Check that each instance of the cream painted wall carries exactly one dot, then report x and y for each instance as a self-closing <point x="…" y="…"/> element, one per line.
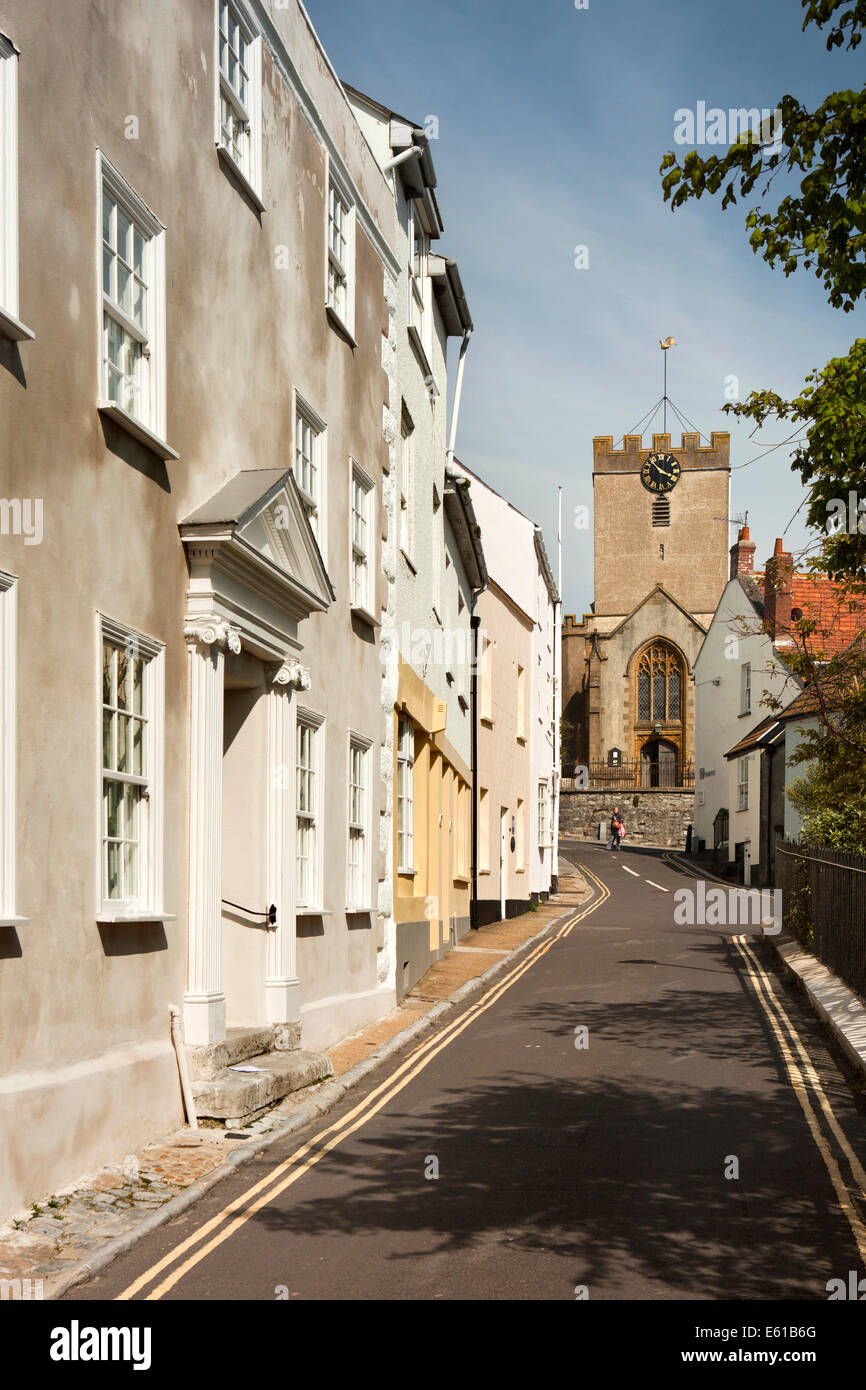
<point x="504" y="760"/>
<point x="87" y="1067"/>
<point x="508" y="538"/>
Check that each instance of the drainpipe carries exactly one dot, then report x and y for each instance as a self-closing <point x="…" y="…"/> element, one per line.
<point x="458" y="391"/>
<point x="401" y="158"/>
<point x="185" y="1087"/>
<point x="475" y="622"/>
<point x="557" y="701"/>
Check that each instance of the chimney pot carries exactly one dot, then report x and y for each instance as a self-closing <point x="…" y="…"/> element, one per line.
<point x="742" y="554"/>
<point x="777" y="591"/>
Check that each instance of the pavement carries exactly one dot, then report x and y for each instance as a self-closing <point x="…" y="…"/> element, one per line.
<point x="627" y="1108"/>
<point x="67" y="1235"/>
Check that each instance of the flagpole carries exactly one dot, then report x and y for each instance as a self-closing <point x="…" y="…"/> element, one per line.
<point x="557" y="695"/>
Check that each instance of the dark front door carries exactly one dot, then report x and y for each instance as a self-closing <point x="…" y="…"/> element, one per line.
<point x="658" y="764"/>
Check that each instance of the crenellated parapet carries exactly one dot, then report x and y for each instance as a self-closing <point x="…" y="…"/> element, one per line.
<point x="690" y="452"/>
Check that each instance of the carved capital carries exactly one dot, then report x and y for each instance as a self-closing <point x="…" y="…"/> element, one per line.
<point x="290" y="673"/>
<point x="210" y="631"/>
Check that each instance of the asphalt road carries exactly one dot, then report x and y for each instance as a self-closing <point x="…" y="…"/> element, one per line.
<point x="505" y="1162"/>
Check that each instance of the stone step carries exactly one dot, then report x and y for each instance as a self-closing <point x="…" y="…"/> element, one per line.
<point x="236" y="1095"/>
<point x="239" y="1045"/>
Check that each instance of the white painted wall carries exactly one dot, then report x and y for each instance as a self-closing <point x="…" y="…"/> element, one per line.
<point x="508" y="538"/>
<point x="734" y="637"/>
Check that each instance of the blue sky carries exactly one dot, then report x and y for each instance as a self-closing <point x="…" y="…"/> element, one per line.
<point x="552" y="124"/>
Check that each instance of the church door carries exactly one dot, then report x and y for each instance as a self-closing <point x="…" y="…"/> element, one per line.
<point x="658" y="764"/>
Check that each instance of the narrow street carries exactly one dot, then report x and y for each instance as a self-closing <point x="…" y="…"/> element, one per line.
<point x="499" y="1159"/>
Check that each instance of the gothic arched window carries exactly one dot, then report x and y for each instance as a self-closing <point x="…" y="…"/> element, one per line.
<point x="659" y="685"/>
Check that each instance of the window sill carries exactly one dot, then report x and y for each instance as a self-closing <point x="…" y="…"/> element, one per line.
<point x="338" y="323"/>
<point x="486" y="720"/>
<point x="14" y="921"/>
<point x="409" y="561"/>
<point x="13" y="328"/>
<point x="138" y="431"/>
<point x="313" y="912"/>
<point x="483" y="873"/>
<point x="521" y="739"/>
<point x="407" y="873"/>
<point x="462" y="880"/>
<point x="361" y="911"/>
<point x="365" y="616"/>
<point x="421" y="350"/>
<point x="237" y="173"/>
<point x="744" y="714"/>
<point x="109" y="916"/>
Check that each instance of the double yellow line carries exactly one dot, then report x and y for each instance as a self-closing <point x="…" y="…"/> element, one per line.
<point x="847" y="1195"/>
<point x="803" y="1077"/>
<point x="219" y="1228"/>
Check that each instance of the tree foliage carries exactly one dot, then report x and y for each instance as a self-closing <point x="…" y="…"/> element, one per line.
<point x="810" y="181"/>
<point x="822" y="226"/>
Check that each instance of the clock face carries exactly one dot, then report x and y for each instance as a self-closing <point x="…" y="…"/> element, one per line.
<point x="660" y="473"/>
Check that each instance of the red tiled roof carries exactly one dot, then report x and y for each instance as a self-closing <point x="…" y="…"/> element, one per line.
<point x="840" y="617"/>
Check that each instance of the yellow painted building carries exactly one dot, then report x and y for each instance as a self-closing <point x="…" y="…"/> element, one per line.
<point x="432" y="831"/>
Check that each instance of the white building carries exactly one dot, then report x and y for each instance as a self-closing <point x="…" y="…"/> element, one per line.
<point x="738" y="663"/>
<point x="741" y="674"/>
<point x="517" y="785"/>
<point x="434" y="559"/>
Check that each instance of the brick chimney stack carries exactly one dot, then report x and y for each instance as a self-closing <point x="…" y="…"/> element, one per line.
<point x="742" y="554"/>
<point x="777" y="592"/>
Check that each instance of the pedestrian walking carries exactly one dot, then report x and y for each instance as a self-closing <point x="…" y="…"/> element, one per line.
<point x="617" y="829"/>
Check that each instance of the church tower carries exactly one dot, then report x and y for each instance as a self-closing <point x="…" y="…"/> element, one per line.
<point x="661" y="562"/>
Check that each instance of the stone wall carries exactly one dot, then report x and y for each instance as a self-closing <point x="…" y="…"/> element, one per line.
<point x="658" y="818"/>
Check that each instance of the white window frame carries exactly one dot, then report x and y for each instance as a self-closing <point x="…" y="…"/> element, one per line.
<point x="405" y="795"/>
<point x="520" y="837"/>
<point x="8" y="750"/>
<point x="485" y="712"/>
<point x="10" y="324"/>
<point x="315" y="502"/>
<point x="362" y="602"/>
<point x="407" y="499"/>
<point x="343" y="267"/>
<point x="147" y="905"/>
<point x="249" y="112"/>
<point x="419" y="287"/>
<point x="147" y="423"/>
<point x="312" y="902"/>
<point x="521" y="703"/>
<point x="743" y="783"/>
<point x="483" y="830"/>
<point x="746" y="688"/>
<point x="543" y="826"/>
<point x="359" y="895"/>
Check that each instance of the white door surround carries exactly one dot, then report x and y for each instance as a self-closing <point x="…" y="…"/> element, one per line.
<point x="503" y="860"/>
<point x="255" y="573"/>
